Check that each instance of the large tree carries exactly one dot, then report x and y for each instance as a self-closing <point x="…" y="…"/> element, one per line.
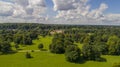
<point x="114" y="45"/>
<point x="90" y="52"/>
<point x="57" y="48"/>
<point x="102" y="47"/>
<point x="5" y="47"/>
<point x="72" y="53"/>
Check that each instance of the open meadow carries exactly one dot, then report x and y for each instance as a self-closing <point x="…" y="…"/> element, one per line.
<point x="47" y="59"/>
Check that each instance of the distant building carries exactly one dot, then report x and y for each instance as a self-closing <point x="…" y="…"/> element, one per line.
<point x="56" y="31"/>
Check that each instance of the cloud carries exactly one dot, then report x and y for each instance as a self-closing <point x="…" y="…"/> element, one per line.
<point x="37" y="3"/>
<point x="31" y="3"/>
<point x="67" y="12"/>
<point x="18" y="11"/>
<point x="23" y="3"/>
<point x="23" y="9"/>
<point x="67" y="4"/>
<point x="63" y="4"/>
<point x="6" y="9"/>
<point x="98" y="13"/>
<point x="79" y="11"/>
<point x="110" y="18"/>
<point x="31" y="7"/>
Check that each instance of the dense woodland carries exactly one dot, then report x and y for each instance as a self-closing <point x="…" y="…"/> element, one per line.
<point x="97" y="40"/>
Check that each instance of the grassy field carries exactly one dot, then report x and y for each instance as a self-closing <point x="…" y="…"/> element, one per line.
<point x="46" y="59"/>
<point x="44" y="40"/>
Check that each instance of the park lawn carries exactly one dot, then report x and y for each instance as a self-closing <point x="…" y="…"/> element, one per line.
<point x="44" y="40"/>
<point x="47" y="59"/>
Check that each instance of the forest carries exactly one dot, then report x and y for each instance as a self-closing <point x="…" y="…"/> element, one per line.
<point x="78" y="43"/>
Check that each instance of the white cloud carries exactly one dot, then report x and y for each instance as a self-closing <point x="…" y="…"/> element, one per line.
<point x="68" y="11"/>
<point x="18" y="11"/>
<point x="37" y="3"/>
<point x="31" y="7"/>
<point x="63" y="4"/>
<point x="23" y="3"/>
<point x="68" y="4"/>
<point x="98" y="13"/>
<point x="79" y="11"/>
<point x="79" y="8"/>
<point x="6" y="9"/>
<point x="110" y="18"/>
<point x="23" y="9"/>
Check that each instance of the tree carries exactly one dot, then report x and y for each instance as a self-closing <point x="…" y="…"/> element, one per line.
<point x="57" y="48"/>
<point x="68" y="42"/>
<point x="102" y="47"/>
<point x="114" y="45"/>
<point x="26" y="40"/>
<point x="16" y="46"/>
<point x="57" y="45"/>
<point x="89" y="39"/>
<point x="72" y="53"/>
<point x="23" y="38"/>
<point x="5" y="47"/>
<point x="112" y="40"/>
<point x="17" y="38"/>
<point x="104" y="38"/>
<point x="40" y="46"/>
<point x="118" y="48"/>
<point x="114" y="49"/>
<point x="28" y="55"/>
<point x="90" y="52"/>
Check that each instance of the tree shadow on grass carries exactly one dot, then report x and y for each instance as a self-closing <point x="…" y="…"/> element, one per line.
<point x="101" y="59"/>
<point x="83" y="60"/>
<point x="43" y="49"/>
<point x="8" y="53"/>
<point x="30" y="57"/>
<point x="19" y="49"/>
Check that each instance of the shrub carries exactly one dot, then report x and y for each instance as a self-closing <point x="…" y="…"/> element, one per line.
<point x="40" y="46"/>
<point x="28" y="55"/>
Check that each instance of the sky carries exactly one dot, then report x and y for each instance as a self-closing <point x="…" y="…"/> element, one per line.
<point x="93" y="12"/>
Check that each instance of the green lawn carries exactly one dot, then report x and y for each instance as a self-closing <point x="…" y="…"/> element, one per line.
<point x="44" y="40"/>
<point x="46" y="59"/>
